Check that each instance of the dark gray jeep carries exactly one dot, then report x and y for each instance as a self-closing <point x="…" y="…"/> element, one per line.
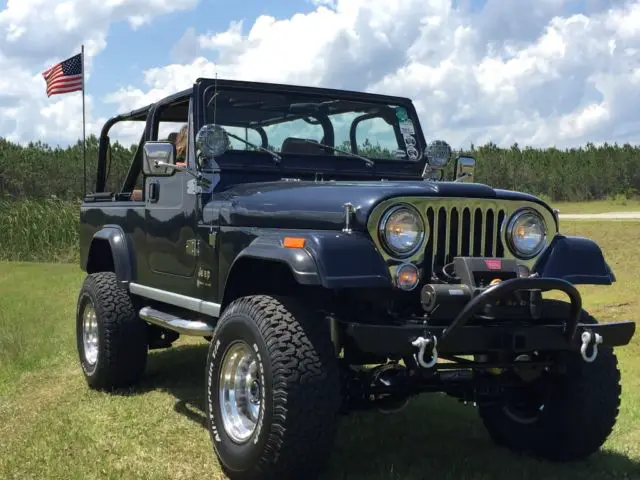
<point x="314" y="238"/>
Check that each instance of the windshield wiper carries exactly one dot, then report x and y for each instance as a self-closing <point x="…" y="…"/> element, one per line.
<point x="368" y="161"/>
<point x="275" y="156"/>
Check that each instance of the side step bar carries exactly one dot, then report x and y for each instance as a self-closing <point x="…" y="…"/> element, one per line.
<point x="177" y="324"/>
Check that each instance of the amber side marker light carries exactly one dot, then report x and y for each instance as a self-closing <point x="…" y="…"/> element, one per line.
<point x="293" y="242"/>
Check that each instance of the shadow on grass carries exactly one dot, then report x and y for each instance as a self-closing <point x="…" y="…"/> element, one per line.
<point x="434" y="437"/>
<point x="179" y="371"/>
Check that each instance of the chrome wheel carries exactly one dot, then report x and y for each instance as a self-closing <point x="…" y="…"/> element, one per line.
<point x="90" y="334"/>
<point x="240" y="392"/>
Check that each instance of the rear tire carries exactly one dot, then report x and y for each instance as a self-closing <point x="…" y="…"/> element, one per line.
<point x="580" y="408"/>
<point x="292" y="395"/>
<point x="110" y="336"/>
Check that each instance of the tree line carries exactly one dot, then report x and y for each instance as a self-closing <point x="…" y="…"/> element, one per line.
<point x="38" y="171"/>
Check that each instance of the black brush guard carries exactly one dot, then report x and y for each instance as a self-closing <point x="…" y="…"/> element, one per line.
<point x="457" y="338"/>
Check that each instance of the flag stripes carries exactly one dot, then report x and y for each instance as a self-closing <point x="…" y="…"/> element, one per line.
<point x="64" y="77"/>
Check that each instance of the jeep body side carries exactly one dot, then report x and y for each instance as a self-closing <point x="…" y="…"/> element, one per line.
<point x="304" y="253"/>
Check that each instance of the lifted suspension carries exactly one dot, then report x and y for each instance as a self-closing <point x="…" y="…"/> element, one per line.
<point x="389" y="386"/>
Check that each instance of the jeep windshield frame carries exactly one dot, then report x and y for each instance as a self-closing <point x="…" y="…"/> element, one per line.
<point x="283" y="118"/>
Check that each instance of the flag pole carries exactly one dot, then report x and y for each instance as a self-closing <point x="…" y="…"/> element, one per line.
<point x="84" y="136"/>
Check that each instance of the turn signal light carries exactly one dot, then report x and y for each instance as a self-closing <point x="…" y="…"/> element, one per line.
<point x="407" y="276"/>
<point x="293" y="242"/>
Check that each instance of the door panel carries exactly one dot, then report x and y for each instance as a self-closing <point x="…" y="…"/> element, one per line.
<point x="170" y="225"/>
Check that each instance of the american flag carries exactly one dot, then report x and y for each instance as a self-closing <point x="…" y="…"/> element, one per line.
<point x="65" y="77"/>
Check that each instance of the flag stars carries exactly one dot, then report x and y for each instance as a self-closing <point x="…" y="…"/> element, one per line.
<point x="72" y="66"/>
<point x="66" y="76"/>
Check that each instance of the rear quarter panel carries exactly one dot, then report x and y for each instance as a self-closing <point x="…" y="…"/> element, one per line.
<point x="129" y="216"/>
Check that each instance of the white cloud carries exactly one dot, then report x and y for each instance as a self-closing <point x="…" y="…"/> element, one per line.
<point x="34" y="34"/>
<point x="544" y="78"/>
<point x="187" y="48"/>
<point x="162" y="82"/>
<point x="538" y="92"/>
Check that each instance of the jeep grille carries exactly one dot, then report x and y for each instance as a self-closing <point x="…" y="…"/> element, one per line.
<point x="458" y="227"/>
<point x="463" y="231"/>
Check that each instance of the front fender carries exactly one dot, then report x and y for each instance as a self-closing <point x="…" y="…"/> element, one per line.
<point x="331" y="259"/>
<point x="577" y="260"/>
<point x="116" y="239"/>
<point x="270" y="248"/>
<point x="348" y="260"/>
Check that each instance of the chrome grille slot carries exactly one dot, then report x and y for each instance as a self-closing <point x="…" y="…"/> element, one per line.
<point x="463" y="231"/>
<point x="476" y="232"/>
<point x="499" y="221"/>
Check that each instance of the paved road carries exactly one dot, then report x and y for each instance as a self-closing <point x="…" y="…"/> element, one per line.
<point x="601" y="216"/>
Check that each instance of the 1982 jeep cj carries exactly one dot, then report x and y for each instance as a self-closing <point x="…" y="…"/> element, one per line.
<point x="312" y="237"/>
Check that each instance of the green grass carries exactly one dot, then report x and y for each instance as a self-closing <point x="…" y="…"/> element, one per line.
<point x="55" y="427"/>
<point x="36" y="304"/>
<point x="38" y="230"/>
<point x="599" y="206"/>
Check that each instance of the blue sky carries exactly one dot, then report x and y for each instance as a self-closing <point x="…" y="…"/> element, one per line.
<point x="132" y="51"/>
<point x="536" y="72"/>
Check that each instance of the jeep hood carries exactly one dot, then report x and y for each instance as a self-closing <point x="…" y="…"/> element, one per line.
<point x="320" y="205"/>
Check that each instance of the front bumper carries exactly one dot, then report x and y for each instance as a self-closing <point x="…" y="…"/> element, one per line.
<point x="458" y="338"/>
<point x="469" y="340"/>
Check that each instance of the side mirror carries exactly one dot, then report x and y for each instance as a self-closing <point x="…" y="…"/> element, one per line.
<point x="159" y="158"/>
<point x="465" y="167"/>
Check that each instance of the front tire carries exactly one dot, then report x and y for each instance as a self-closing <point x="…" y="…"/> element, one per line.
<point x="573" y="416"/>
<point x="110" y="336"/>
<point x="272" y="390"/>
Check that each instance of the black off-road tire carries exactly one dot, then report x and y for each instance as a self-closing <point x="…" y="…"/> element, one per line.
<point x="578" y="416"/>
<point x="298" y="416"/>
<point x="122" y="334"/>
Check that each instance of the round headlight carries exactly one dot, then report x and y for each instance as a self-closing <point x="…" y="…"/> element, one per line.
<point x="402" y="230"/>
<point x="526" y="233"/>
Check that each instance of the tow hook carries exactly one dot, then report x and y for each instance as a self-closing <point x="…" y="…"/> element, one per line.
<point x="590" y="338"/>
<point x="422" y="343"/>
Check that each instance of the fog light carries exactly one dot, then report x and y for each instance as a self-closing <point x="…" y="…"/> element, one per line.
<point x="407" y="276"/>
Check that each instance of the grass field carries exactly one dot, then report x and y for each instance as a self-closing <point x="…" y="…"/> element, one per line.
<point x="599" y="206"/>
<point x="54" y="427"/>
<point x="39" y="230"/>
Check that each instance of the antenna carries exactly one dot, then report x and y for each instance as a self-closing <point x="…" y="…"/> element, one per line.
<point x="215" y="95"/>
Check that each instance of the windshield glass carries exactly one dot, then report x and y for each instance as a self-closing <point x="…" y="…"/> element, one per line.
<point x="299" y="124"/>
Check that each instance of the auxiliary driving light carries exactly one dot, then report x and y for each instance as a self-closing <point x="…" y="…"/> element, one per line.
<point x="407" y="276"/>
<point x="212" y="140"/>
